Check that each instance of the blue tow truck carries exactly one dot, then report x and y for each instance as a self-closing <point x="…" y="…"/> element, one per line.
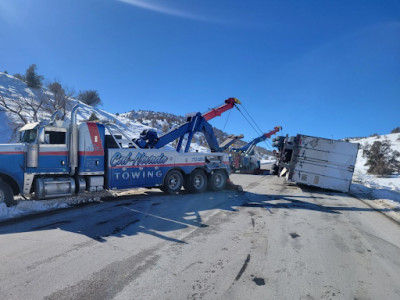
<point x="55" y="159"/>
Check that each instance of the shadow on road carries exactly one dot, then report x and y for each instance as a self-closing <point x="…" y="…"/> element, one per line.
<point x="159" y="215"/>
<point x="292" y="202"/>
<point x="152" y="213"/>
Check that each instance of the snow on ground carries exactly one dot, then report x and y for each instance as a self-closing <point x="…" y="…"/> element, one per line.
<point x="380" y="192"/>
<point x="27" y="207"/>
<point x="268" y="160"/>
<point x="383" y="191"/>
<point x="12" y="90"/>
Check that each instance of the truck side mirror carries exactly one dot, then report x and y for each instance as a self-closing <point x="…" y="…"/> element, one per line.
<point x="41" y="138"/>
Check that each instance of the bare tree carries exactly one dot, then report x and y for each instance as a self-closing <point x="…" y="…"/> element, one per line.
<point x="25" y="109"/>
<point x="17" y="110"/>
<point x="29" y="106"/>
<point x="33" y="105"/>
<point x="60" y="100"/>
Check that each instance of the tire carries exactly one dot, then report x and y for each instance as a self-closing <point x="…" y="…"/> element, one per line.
<point x="6" y="194"/>
<point x="217" y="180"/>
<point x="197" y="181"/>
<point x="274" y="170"/>
<point x="173" y="182"/>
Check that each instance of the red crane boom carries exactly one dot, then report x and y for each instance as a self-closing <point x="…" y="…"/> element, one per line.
<point x="215" y="112"/>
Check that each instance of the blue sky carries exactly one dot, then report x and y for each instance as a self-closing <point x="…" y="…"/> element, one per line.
<point x="323" y="68"/>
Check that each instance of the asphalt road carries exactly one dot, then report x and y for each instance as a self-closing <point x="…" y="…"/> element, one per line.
<point x="274" y="241"/>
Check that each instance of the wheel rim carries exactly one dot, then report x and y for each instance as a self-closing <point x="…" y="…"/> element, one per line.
<point x="218" y="180"/>
<point x="198" y="181"/>
<point x="174" y="181"/>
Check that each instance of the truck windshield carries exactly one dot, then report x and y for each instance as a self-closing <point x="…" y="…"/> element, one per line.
<point x="29" y="136"/>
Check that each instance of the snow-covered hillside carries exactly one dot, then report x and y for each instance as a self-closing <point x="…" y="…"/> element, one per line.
<point x="384" y="188"/>
<point x="15" y="91"/>
<point x="165" y="121"/>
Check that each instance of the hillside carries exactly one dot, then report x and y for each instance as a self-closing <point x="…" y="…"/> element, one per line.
<point x="163" y="122"/>
<point x="17" y="96"/>
<point x="383" y="191"/>
<point x="391" y="183"/>
<point x="15" y="93"/>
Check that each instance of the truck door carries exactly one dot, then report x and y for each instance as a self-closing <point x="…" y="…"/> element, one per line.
<point x="53" y="150"/>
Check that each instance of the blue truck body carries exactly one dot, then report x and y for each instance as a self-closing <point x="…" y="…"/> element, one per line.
<point x="57" y="159"/>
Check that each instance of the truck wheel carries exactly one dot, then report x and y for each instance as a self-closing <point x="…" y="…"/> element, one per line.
<point x="217" y="180"/>
<point x="197" y="181"/>
<point x="172" y="182"/>
<point x="6" y="194"/>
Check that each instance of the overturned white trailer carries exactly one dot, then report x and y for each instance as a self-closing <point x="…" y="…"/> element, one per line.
<point x="315" y="161"/>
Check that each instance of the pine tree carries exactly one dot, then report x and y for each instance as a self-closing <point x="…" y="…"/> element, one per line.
<point x="33" y="79"/>
<point x="93" y="117"/>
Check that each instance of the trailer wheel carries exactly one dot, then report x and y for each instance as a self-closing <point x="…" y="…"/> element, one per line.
<point x="197" y="181"/>
<point x="217" y="180"/>
<point x="274" y="170"/>
<point x="6" y="194"/>
<point x="172" y="182"/>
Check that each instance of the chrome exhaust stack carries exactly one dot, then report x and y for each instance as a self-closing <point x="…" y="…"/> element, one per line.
<point x="54" y="115"/>
<point x="73" y="141"/>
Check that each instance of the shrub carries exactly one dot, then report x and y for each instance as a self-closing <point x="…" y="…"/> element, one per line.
<point x="165" y="127"/>
<point x="396" y="130"/>
<point x="90" y="97"/>
<point x="19" y="76"/>
<point x="153" y="123"/>
<point x="381" y="159"/>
